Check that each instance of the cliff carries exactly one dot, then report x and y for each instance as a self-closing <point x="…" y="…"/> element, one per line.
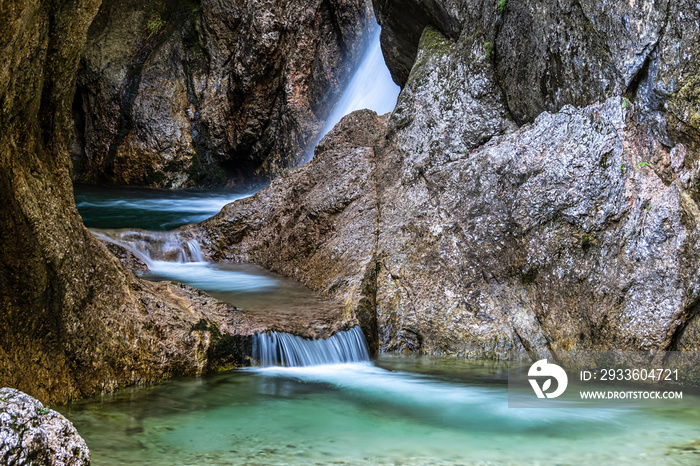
<point x="534" y="190"/>
<point x="185" y="93"/>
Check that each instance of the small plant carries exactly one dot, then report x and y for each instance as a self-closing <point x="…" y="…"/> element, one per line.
<point x="649" y="207"/>
<point x="625" y="102"/>
<point x="154" y="25"/>
<point x="488" y="48"/>
<point x="642" y="164"/>
<point x="622" y="168"/>
<point x="502" y="5"/>
<point x="43" y="411"/>
<point x="585" y="241"/>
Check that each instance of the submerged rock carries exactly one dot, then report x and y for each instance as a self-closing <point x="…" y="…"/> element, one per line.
<point x="33" y="434"/>
<point x="188" y="92"/>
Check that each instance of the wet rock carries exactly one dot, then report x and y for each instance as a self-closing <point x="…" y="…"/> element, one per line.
<point x="316" y="223"/>
<point x="74" y="322"/>
<point x="33" y="434"/>
<point x="177" y="93"/>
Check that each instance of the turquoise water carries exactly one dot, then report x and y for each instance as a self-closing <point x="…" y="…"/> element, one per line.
<point x="401" y="410"/>
<point x="112" y="207"/>
<point x="396" y="410"/>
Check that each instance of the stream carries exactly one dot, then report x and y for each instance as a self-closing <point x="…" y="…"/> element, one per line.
<point x="393" y="409"/>
<point x="334" y="404"/>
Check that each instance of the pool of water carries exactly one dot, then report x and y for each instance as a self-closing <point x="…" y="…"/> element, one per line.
<point x="397" y="410"/>
<point x="394" y="410"/>
<point x="112" y="207"/>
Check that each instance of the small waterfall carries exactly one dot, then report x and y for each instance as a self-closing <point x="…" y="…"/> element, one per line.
<point x="153" y="247"/>
<point x="170" y="256"/>
<point x="370" y="87"/>
<point x="284" y="349"/>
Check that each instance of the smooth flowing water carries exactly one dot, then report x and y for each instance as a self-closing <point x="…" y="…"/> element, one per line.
<point x="335" y="405"/>
<point x="369" y="87"/>
<point x="399" y="410"/>
<point x="150" y="209"/>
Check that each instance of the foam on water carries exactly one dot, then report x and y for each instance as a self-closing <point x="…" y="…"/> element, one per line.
<point x="170" y="256"/>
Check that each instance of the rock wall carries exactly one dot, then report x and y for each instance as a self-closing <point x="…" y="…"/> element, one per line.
<point x="316" y="223"/>
<point x="175" y="93"/>
<point x="534" y="190"/>
<point x="73" y="322"/>
<point x="33" y="434"/>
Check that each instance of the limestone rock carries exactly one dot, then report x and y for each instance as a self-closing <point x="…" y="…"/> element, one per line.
<point x="33" y="434"/>
<point x="316" y="223"/>
<point x="182" y="93"/>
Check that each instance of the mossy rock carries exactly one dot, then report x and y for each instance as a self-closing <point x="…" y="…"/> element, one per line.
<point x="684" y="113"/>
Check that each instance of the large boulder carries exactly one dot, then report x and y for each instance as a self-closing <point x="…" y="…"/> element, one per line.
<point x="33" y="434"/>
<point x="576" y="231"/>
<point x="73" y="321"/>
<point x="316" y="223"/>
<point x="187" y="92"/>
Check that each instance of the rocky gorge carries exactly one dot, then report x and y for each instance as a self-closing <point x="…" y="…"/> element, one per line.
<point x="528" y="194"/>
<point x="535" y="189"/>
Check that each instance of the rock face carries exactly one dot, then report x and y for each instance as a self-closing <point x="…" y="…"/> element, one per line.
<point x="552" y="53"/>
<point x="186" y="92"/>
<point x="33" y="434"/>
<point x="73" y="322"/>
<point x="315" y="223"/>
<point x="577" y="230"/>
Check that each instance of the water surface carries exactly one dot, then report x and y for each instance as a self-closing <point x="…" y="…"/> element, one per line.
<point x="113" y="207"/>
<point x="401" y="410"/>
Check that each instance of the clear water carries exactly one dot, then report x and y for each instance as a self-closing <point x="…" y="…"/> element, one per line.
<point x="150" y="209"/>
<point x="401" y="410"/>
<point x="395" y="410"/>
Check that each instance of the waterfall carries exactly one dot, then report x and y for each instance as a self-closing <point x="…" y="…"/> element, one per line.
<point x="284" y="349"/>
<point x="369" y="87"/>
<point x="170" y="256"/>
<point x="153" y="247"/>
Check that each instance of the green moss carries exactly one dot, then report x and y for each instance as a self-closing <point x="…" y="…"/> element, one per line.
<point x="488" y="48"/>
<point x="432" y="44"/>
<point x="501" y="5"/>
<point x="585" y="241"/>
<point x="684" y="113"/>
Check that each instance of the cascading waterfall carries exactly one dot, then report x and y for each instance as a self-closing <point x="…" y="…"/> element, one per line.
<point x="154" y="247"/>
<point x="170" y="256"/>
<point x="284" y="349"/>
<point x="370" y="87"/>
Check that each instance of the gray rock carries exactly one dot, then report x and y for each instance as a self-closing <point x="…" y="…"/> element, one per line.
<point x="316" y="223"/>
<point x="550" y="238"/>
<point x="33" y="434"/>
<point x="191" y="93"/>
